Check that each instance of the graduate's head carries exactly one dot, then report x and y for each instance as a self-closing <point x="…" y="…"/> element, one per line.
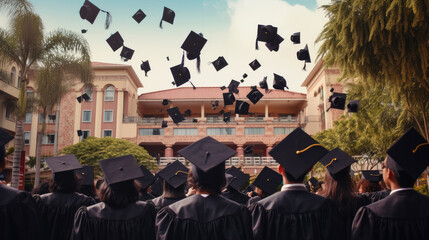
<point x="235" y="178"/>
<point x="118" y="195"/>
<point x="174" y="177"/>
<point x="396" y="177"/>
<point x="42" y="188"/>
<point x="173" y="192"/>
<point x="370" y="181"/>
<point x="64" y="182"/>
<point x="143" y="183"/>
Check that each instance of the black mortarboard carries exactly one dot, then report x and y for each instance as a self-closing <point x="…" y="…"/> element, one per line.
<point x="79" y="133"/>
<point x="268" y="180"/>
<point x="227" y="117"/>
<point x="168" y="16"/>
<point x="175" y="115"/>
<point x="372" y="175"/>
<point x="222" y="88"/>
<point x="84" y="30"/>
<point x="298" y="152"/>
<point x="146" y="179"/>
<point x="139" y="16"/>
<point x="279" y="82"/>
<point x="174" y="174"/>
<point x="220" y="63"/>
<point x="313" y="181"/>
<point x="248" y="149"/>
<point x="337" y="100"/>
<point x="353" y="106"/>
<point x="165" y="102"/>
<point x="409" y="154"/>
<point x="63" y="163"/>
<point x="194" y="43"/>
<point x="194" y="120"/>
<point x="208" y="158"/>
<point x="5" y="137"/>
<point x="120" y="169"/>
<point x="241" y="107"/>
<point x="304" y="55"/>
<point x="181" y="74"/>
<point x="188" y="112"/>
<point x="164" y="124"/>
<point x="274" y="45"/>
<point x="295" y="38"/>
<point x="115" y="41"/>
<point x="266" y="33"/>
<point x="254" y="64"/>
<point x="86" y="97"/>
<point x="157" y="186"/>
<point x="79" y="99"/>
<point x="233" y="86"/>
<point x="126" y="53"/>
<point x="145" y="67"/>
<point x="263" y="84"/>
<point x="86" y="173"/>
<point x="245" y="75"/>
<point x="89" y="12"/>
<point x="336" y="160"/>
<point x="238" y="178"/>
<point x="255" y="95"/>
<point x="228" y="98"/>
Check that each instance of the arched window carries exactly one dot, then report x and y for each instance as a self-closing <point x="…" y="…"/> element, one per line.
<point x="12" y="76"/>
<point x="30" y="93"/>
<point x="88" y="90"/>
<point x="19" y="80"/>
<point x="109" y="94"/>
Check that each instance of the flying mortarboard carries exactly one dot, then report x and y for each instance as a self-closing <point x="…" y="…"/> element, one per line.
<point x="296" y="38"/>
<point x="147" y="178"/>
<point x="127" y="53"/>
<point x="255" y="95"/>
<point x="84" y="96"/>
<point x="220" y="63"/>
<point x="353" y="106"/>
<point x="313" y="181"/>
<point x="86" y="173"/>
<point x="264" y="85"/>
<point x="254" y="64"/>
<point x="84" y="30"/>
<point x="5" y="137"/>
<point x="188" y="112"/>
<point x="175" y="115"/>
<point x="268" y="180"/>
<point x="168" y="16"/>
<point x="145" y="67"/>
<point x="164" y="124"/>
<point x="139" y="16"/>
<point x="304" y="55"/>
<point x="298" y="152"/>
<point x="181" y="74"/>
<point x="372" y="175"/>
<point x="63" y="163"/>
<point x="165" y="102"/>
<point x="115" y="41"/>
<point x="238" y="178"/>
<point x="248" y="149"/>
<point x="241" y="107"/>
<point x="233" y="86"/>
<point x="222" y="88"/>
<point x="193" y="44"/>
<point x="274" y="45"/>
<point x="409" y="155"/>
<point x="227" y="117"/>
<point x="228" y="99"/>
<point x="89" y="12"/>
<point x="195" y="120"/>
<point x="279" y="82"/>
<point x="266" y="33"/>
<point x="174" y="174"/>
<point x="79" y="133"/>
<point x="337" y="100"/>
<point x="336" y="160"/>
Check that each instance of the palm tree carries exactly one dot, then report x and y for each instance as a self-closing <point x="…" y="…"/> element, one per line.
<point x="24" y="43"/>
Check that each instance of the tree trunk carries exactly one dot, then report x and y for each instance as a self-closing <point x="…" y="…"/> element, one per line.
<point x="19" y="145"/>
<point x="38" y="156"/>
<point x="57" y="123"/>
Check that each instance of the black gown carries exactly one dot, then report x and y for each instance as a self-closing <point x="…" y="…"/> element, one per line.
<point x="295" y="214"/>
<point x="347" y="216"/>
<point x="376" y="196"/>
<point x="209" y="218"/>
<point x="253" y="200"/>
<point x="145" y="196"/>
<point x="19" y="218"/>
<point x="235" y="196"/>
<point x="402" y="215"/>
<point x="58" y="210"/>
<point x="100" y="221"/>
<point x="161" y="202"/>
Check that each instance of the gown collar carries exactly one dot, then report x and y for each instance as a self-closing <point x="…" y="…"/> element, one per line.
<point x="400" y="189"/>
<point x="294" y="187"/>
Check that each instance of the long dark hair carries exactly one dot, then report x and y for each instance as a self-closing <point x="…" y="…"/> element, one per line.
<point x="118" y="195"/>
<point x="340" y="189"/>
<point x="368" y="187"/>
<point x="64" y="182"/>
<point x="171" y="192"/>
<point x="214" y="188"/>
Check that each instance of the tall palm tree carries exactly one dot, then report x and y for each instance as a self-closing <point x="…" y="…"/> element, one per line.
<point x="24" y="43"/>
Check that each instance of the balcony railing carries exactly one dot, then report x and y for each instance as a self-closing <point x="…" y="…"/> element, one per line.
<point x="234" y="161"/>
<point x="150" y="120"/>
<point x="129" y="119"/>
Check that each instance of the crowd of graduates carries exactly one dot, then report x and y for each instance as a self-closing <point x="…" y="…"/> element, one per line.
<point x="205" y="201"/>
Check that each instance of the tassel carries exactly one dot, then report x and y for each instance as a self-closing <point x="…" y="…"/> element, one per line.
<point x="256" y="45"/>
<point x="160" y="24"/>
<point x="304" y="68"/>
<point x="183" y="59"/>
<point x="145" y="73"/>
<point x="193" y="85"/>
<point x="108" y="19"/>
<point x="198" y="63"/>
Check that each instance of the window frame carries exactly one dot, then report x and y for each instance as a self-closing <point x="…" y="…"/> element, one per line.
<point x="90" y="116"/>
<point x="104" y="115"/>
<point x="29" y="138"/>
<point x="113" y="94"/>
<point x="104" y="133"/>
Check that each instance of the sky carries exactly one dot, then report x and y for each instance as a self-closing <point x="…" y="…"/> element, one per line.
<point x="229" y="26"/>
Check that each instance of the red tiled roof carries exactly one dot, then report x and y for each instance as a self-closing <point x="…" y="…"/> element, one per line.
<point x="215" y="93"/>
<point x="106" y="64"/>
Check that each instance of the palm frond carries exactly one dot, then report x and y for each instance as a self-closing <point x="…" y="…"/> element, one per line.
<point x="16" y="7"/>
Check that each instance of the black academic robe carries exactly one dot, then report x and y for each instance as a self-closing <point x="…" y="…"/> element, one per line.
<point x="376" y="196"/>
<point x="58" y="210"/>
<point x="19" y="218"/>
<point x="235" y="196"/>
<point x="209" y="218"/>
<point x="295" y="214"/>
<point x="100" y="221"/>
<point x="145" y="196"/>
<point x="253" y="200"/>
<point x="400" y="216"/>
<point x="161" y="202"/>
<point x="347" y="214"/>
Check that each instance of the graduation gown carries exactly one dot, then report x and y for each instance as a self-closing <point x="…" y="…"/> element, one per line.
<point x="19" y="218"/>
<point x="100" y="221"/>
<point x="58" y="210"/>
<point x="161" y="202"/>
<point x="402" y="215"/>
<point x="347" y="215"/>
<point x="145" y="196"/>
<point x="376" y="196"/>
<point x="209" y="218"/>
<point x="295" y="214"/>
<point x="235" y="196"/>
<point x="253" y="200"/>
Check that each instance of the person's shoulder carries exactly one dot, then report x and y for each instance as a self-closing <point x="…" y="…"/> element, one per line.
<point x="85" y="200"/>
<point x="296" y="200"/>
<point x="9" y="194"/>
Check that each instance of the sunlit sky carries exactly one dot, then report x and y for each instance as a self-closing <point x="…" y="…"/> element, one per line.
<point x="230" y="27"/>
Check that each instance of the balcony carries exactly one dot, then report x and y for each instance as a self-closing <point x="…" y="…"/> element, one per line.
<point x="234" y="161"/>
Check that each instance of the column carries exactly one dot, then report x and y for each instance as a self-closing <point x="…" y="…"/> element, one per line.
<point x="240" y="151"/>
<point x="33" y="133"/>
<point x="98" y="112"/>
<point x="269" y="148"/>
<point x="202" y="111"/>
<point x="77" y="118"/>
<point x="119" y="113"/>
<point x="168" y="152"/>
<point x="266" y="110"/>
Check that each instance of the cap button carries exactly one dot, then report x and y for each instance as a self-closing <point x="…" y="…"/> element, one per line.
<point x="121" y="169"/>
<point x="63" y="163"/>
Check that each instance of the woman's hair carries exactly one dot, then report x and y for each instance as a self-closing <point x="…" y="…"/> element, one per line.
<point x="171" y="192"/>
<point x="340" y="189"/>
<point x="64" y="182"/>
<point x="368" y="186"/>
<point x="212" y="188"/>
<point x="88" y="190"/>
<point x="42" y="188"/>
<point x="118" y="195"/>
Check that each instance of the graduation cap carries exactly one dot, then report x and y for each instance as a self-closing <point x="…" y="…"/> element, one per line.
<point x="79" y="133"/>
<point x="86" y="173"/>
<point x="279" y="82"/>
<point x="193" y="45"/>
<point x="266" y="33"/>
<point x="5" y="137"/>
<point x="372" y="175"/>
<point x="241" y="107"/>
<point x="304" y="55"/>
<point x="255" y="95"/>
<point x="228" y="98"/>
<point x="181" y="74"/>
<point x="408" y="155"/>
<point x="227" y="117"/>
<point x="89" y="12"/>
<point x="296" y="38"/>
<point x="268" y="180"/>
<point x="313" y="181"/>
<point x="168" y="16"/>
<point x="126" y="53"/>
<point x="115" y="41"/>
<point x="337" y="100"/>
<point x="336" y="160"/>
<point x="146" y="178"/>
<point x="175" y="115"/>
<point x="84" y="30"/>
<point x="274" y="45"/>
<point x="264" y="85"/>
<point x="157" y="186"/>
<point x="188" y="112"/>
<point x="233" y="86"/>
<point x="222" y="88"/>
<point x="164" y="124"/>
<point x="174" y="174"/>
<point x="208" y="158"/>
<point x="63" y="163"/>
<point x="353" y="106"/>
<point x="165" y="102"/>
<point x="120" y="169"/>
<point x="254" y="64"/>
<point x="139" y="16"/>
<point x="194" y="120"/>
<point x="220" y="63"/>
<point x="298" y="152"/>
<point x="248" y="149"/>
<point x="145" y="67"/>
<point x="84" y="96"/>
<point x="238" y="178"/>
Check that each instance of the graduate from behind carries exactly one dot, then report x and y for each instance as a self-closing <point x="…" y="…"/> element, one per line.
<point x="234" y="180"/>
